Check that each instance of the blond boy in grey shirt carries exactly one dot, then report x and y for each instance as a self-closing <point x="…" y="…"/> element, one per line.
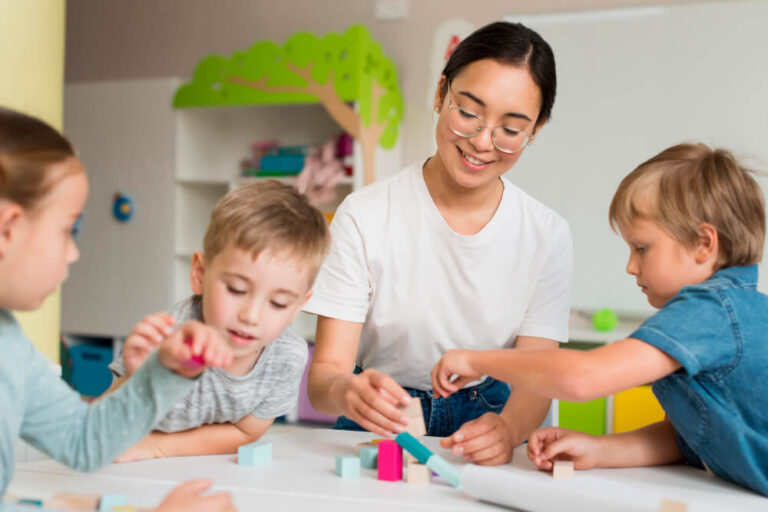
<point x="261" y="253"/>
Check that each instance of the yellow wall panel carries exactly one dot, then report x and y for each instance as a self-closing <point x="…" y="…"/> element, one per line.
<point x="32" y="71"/>
<point x="635" y="408"/>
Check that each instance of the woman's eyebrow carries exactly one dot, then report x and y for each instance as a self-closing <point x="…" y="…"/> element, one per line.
<point x="482" y="104"/>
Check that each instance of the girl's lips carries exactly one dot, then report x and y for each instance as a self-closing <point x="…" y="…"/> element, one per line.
<point x="239" y="340"/>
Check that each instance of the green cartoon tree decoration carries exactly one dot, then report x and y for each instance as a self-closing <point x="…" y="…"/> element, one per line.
<point x="335" y="70"/>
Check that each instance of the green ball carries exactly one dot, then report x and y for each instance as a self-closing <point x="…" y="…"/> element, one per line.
<point x="604" y="320"/>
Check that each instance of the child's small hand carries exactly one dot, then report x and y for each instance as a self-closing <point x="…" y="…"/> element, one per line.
<point x="143" y="450"/>
<point x="453" y="362"/>
<point x="144" y="338"/>
<point x="187" y="498"/>
<point x="547" y="445"/>
<point x="192" y="342"/>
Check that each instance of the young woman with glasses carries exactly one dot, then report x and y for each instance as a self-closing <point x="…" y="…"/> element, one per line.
<point x="445" y="254"/>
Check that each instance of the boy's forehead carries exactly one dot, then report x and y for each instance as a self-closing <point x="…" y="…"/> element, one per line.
<point x="249" y="265"/>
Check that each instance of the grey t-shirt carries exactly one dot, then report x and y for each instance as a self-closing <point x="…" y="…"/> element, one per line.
<point x="269" y="390"/>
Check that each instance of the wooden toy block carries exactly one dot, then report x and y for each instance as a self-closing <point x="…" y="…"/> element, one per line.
<point x="390" y="461"/>
<point x="254" y="454"/>
<point x="347" y="466"/>
<point x="416" y="416"/>
<point x="110" y="501"/>
<point x="562" y="469"/>
<point x="418" y="474"/>
<point x="672" y="506"/>
<point x="410" y="459"/>
<point x="368" y="456"/>
<point x="72" y="501"/>
<point x="377" y="441"/>
<point x="359" y="446"/>
<point x="124" y="508"/>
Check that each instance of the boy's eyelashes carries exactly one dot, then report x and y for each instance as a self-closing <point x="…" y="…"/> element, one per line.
<point x="279" y="305"/>
<point x="235" y="291"/>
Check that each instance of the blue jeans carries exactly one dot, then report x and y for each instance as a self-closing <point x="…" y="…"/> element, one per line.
<point x="444" y="416"/>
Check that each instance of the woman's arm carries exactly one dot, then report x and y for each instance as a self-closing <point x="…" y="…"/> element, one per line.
<point x="369" y="399"/>
<point x="565" y="374"/>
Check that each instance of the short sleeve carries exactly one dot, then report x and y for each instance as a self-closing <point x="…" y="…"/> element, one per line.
<point x="547" y="313"/>
<point x="289" y="368"/>
<point x="694" y="328"/>
<point x="343" y="286"/>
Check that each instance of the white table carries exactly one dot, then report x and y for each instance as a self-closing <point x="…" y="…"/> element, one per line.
<point x="301" y="477"/>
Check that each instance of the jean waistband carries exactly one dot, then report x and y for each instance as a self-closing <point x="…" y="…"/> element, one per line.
<point x="488" y="382"/>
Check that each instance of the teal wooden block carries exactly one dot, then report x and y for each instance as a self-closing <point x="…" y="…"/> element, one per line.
<point x="254" y="454"/>
<point x="348" y="466"/>
<point x="368" y="455"/>
<point x="108" y="501"/>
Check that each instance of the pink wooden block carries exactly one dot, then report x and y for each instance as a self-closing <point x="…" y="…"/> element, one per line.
<point x="390" y="461"/>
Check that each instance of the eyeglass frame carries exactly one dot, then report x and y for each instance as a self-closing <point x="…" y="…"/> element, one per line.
<point x="483" y="125"/>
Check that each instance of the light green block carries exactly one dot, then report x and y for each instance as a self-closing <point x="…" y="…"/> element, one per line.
<point x="254" y="454"/>
<point x="347" y="466"/>
<point x="368" y="456"/>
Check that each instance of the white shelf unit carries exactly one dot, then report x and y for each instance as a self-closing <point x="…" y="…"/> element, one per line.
<point x="175" y="165"/>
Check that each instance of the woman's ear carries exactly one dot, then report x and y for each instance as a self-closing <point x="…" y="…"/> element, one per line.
<point x="10" y="217"/>
<point x="197" y="272"/>
<point x="708" y="244"/>
<point x="439" y="94"/>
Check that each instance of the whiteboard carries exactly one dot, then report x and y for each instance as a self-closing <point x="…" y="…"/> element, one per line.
<point x="632" y="82"/>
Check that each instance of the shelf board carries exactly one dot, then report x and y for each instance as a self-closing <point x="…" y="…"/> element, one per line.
<point x="203" y="181"/>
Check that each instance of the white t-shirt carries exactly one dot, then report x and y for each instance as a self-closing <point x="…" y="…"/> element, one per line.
<point x="420" y="288"/>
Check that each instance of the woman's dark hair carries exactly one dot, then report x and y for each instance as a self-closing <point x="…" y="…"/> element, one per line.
<point x="28" y="147"/>
<point x="514" y="44"/>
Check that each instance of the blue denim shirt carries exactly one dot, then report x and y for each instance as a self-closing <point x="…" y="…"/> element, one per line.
<point x="718" y="401"/>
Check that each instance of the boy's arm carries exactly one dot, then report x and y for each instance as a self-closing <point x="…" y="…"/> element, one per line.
<point x="652" y="445"/>
<point x="205" y="440"/>
<point x="565" y="374"/>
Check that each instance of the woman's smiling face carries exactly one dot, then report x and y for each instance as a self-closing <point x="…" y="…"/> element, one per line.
<point x="501" y="94"/>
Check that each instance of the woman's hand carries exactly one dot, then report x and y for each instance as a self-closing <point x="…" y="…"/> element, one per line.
<point x="454" y="362"/>
<point x="547" y="445"/>
<point x="487" y="440"/>
<point x="372" y="400"/>
<point x="187" y="498"/>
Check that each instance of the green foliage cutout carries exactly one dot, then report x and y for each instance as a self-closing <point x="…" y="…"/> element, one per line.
<point x="334" y="70"/>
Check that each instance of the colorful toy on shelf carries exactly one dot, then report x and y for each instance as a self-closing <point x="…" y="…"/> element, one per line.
<point x="335" y="70"/>
<point x="604" y="320"/>
<point x="322" y="171"/>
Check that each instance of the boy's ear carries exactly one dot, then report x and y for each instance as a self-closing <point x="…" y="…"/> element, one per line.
<point x="10" y="215"/>
<point x="708" y="245"/>
<point x="197" y="272"/>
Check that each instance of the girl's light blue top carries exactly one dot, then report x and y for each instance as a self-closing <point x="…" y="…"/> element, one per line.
<point x="43" y="410"/>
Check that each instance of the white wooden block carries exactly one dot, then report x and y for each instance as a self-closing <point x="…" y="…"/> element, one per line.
<point x="562" y="469"/>
<point x="416" y="416"/>
<point x="672" y="506"/>
<point x="418" y="474"/>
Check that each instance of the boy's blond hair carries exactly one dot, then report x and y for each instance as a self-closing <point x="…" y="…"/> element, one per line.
<point x="269" y="215"/>
<point x="689" y="184"/>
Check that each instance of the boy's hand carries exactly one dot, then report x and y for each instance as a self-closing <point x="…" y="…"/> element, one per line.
<point x="187" y="498"/>
<point x="454" y="362"/>
<point x="192" y="342"/>
<point x="143" y="450"/>
<point x="547" y="445"/>
<point x="144" y="338"/>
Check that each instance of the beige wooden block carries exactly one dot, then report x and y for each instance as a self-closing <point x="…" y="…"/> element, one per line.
<point x="562" y="469"/>
<point x="416" y="416"/>
<point x="418" y="474"/>
<point x="410" y="459"/>
<point x="360" y="445"/>
<point x="672" y="506"/>
<point x="73" y="501"/>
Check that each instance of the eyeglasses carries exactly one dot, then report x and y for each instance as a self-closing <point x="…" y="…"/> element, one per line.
<point x="465" y="123"/>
